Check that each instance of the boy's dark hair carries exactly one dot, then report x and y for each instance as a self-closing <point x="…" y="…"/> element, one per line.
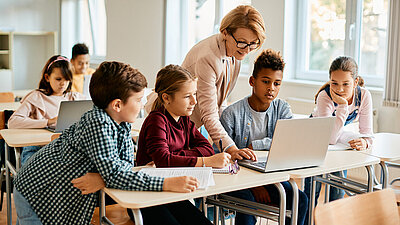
<point x="115" y="80"/>
<point x="268" y="59"/>
<point x="79" y="49"/>
<point x="56" y="61"/>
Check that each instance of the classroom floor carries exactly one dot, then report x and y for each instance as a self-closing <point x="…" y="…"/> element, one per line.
<point x="118" y="215"/>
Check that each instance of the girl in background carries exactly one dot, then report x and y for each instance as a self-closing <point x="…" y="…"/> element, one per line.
<point x="344" y="97"/>
<point x="39" y="108"/>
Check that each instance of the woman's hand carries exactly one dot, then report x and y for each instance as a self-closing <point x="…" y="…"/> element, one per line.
<point x="261" y="194"/>
<point x="219" y="160"/>
<point x="358" y="144"/>
<point x="52" y="121"/>
<point x="337" y="98"/>
<point x="89" y="183"/>
<point x="238" y="154"/>
<point x="180" y="184"/>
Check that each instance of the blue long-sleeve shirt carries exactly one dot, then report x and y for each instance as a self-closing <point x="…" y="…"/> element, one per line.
<point x="237" y="119"/>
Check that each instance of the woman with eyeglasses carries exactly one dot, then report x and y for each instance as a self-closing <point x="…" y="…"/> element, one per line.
<point x="216" y="62"/>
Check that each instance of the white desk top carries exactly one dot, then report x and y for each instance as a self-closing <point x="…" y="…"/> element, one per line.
<point x="336" y="161"/>
<point x="224" y="183"/>
<point x="9" y="106"/>
<point x="26" y="137"/>
<point x="386" y="147"/>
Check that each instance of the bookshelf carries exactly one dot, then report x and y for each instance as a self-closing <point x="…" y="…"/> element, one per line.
<point x="22" y="57"/>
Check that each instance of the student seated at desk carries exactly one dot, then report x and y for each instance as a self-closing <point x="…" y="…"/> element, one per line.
<point x="344" y="97"/>
<point x="168" y="137"/>
<point x="39" y="108"/>
<point x="80" y="61"/>
<point x="99" y="142"/>
<point x="250" y="123"/>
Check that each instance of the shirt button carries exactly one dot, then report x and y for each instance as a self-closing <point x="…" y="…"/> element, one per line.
<point x="245" y="138"/>
<point x="248" y="123"/>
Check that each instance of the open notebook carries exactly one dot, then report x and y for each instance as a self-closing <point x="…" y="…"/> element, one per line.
<point x="203" y="174"/>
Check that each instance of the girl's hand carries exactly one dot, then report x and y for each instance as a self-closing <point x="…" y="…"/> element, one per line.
<point x="338" y="99"/>
<point x="52" y="121"/>
<point x="180" y="184"/>
<point x="239" y="154"/>
<point x="358" y="144"/>
<point x="219" y="160"/>
<point x="89" y="183"/>
<point x="261" y="195"/>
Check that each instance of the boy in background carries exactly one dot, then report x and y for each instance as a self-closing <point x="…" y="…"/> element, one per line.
<point x="80" y="62"/>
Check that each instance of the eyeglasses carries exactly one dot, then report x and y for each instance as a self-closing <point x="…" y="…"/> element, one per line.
<point x="243" y="45"/>
<point x="234" y="167"/>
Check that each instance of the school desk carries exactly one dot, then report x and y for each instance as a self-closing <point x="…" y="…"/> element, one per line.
<point x="385" y="146"/>
<point x="337" y="161"/>
<point x="224" y="183"/>
<point x="19" y="138"/>
<point x="9" y="106"/>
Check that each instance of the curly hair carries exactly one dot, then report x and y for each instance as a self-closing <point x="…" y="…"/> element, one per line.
<point x="268" y="59"/>
<point x="115" y="80"/>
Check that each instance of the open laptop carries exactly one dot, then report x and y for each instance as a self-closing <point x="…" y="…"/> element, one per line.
<point x="69" y="113"/>
<point x="297" y="143"/>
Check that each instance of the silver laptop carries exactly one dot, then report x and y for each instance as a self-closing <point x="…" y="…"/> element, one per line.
<point x="69" y="113"/>
<point x="296" y="143"/>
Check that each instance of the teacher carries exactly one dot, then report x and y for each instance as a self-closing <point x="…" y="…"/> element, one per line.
<point x="216" y="62"/>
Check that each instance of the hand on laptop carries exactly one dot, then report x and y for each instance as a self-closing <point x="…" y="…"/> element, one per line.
<point x="52" y="121"/>
<point x="239" y="154"/>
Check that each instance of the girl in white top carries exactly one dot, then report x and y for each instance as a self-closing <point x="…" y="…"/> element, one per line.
<point x="39" y="108"/>
<point x="344" y="97"/>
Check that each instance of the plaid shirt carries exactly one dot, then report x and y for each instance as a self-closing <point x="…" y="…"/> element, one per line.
<point x="94" y="144"/>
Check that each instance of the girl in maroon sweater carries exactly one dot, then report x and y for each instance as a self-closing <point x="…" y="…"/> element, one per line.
<point x="168" y="136"/>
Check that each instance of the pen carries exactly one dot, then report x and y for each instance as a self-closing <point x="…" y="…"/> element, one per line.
<point x="220" y="145"/>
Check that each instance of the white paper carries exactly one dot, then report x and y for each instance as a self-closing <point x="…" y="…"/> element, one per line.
<point x="339" y="147"/>
<point x="203" y="174"/>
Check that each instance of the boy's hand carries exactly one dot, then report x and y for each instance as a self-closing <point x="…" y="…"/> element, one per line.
<point x="358" y="144"/>
<point x="89" y="183"/>
<point x="261" y="195"/>
<point x="239" y="154"/>
<point x="180" y="184"/>
<point x="338" y="99"/>
<point x="52" y="121"/>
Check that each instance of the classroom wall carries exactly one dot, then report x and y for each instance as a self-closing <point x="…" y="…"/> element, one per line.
<point x="135" y="34"/>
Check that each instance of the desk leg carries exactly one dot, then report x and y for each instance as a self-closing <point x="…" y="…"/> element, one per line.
<point x="295" y="204"/>
<point x="215" y="212"/>
<point x="311" y="202"/>
<point x="8" y="187"/>
<point x="385" y="177"/>
<point x="371" y="176"/>
<point x="102" y="209"/>
<point x="138" y="216"/>
<point x="327" y="188"/>
<point x="282" y="205"/>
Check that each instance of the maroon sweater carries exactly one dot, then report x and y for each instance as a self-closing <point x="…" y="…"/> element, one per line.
<point x="170" y="143"/>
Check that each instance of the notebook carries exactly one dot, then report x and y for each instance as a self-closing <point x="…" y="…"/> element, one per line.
<point x="69" y="113"/>
<point x="297" y="143"/>
<point x="203" y="174"/>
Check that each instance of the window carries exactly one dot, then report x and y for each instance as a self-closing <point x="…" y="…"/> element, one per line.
<point x="190" y="21"/>
<point x="84" y="21"/>
<point x="328" y="29"/>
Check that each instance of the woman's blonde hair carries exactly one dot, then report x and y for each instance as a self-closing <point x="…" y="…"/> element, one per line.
<point x="169" y="80"/>
<point x="244" y="16"/>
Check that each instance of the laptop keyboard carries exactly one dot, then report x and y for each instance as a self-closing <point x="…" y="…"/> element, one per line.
<point x="259" y="164"/>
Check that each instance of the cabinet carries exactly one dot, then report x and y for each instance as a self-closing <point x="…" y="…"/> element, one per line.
<point x="22" y="57"/>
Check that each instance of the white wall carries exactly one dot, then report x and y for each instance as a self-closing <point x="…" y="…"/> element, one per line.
<point x="135" y="34"/>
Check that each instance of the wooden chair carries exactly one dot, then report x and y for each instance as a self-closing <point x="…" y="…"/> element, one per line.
<point x="376" y="208"/>
<point x="6" y="97"/>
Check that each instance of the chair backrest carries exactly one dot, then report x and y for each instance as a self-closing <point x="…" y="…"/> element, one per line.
<point x="376" y="208"/>
<point x="6" y="97"/>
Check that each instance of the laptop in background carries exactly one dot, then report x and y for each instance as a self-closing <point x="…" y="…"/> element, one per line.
<point x="296" y="143"/>
<point x="69" y="113"/>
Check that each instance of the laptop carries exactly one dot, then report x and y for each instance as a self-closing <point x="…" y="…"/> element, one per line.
<point x="297" y="143"/>
<point x="69" y="113"/>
